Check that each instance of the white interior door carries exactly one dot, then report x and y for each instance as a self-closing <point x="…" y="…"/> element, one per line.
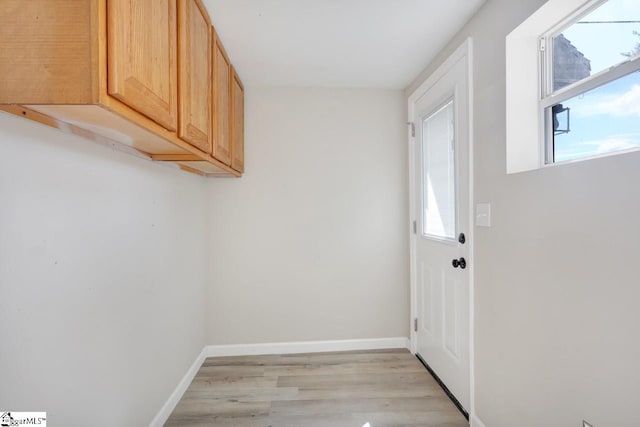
<point x="441" y="203"/>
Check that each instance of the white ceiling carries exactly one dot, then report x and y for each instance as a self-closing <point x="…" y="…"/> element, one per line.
<point x="336" y="43"/>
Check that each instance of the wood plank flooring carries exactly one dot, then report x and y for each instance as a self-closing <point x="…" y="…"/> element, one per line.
<point x="385" y="388"/>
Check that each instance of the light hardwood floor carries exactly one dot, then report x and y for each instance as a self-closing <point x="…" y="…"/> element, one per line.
<point x="344" y="389"/>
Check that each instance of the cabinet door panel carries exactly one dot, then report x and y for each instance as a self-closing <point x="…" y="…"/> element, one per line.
<point x="194" y="50"/>
<point x="221" y="104"/>
<point x="237" y="123"/>
<point x="142" y="57"/>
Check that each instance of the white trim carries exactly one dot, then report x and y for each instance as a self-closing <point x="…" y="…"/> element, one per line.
<point x="475" y="421"/>
<point x="464" y="50"/>
<point x="306" y="347"/>
<point x="471" y="234"/>
<point x="413" y="308"/>
<point x="594" y="81"/>
<point x="595" y="156"/>
<point x="163" y="415"/>
<point x="269" y="348"/>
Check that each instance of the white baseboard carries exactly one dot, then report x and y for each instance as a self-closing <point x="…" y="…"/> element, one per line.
<point x="306" y="347"/>
<point x="163" y="415"/>
<point x="270" y="348"/>
<point x="475" y="421"/>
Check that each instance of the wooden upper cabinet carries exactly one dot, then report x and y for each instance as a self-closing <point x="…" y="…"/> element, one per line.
<point x="237" y="122"/>
<point x="142" y="57"/>
<point x="221" y="102"/>
<point x="194" y="74"/>
<point x="147" y="76"/>
<point x="45" y="52"/>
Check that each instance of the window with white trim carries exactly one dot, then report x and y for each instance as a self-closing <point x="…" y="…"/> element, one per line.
<point x="590" y="82"/>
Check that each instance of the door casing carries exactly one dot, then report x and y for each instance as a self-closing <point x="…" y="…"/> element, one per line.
<point x="464" y="50"/>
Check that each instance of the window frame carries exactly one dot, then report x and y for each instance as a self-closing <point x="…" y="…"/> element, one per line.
<point x="449" y="100"/>
<point x="548" y="97"/>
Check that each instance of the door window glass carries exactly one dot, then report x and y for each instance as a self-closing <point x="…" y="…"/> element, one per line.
<point x="438" y="172"/>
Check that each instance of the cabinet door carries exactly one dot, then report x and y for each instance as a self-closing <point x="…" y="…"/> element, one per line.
<point x="221" y="104"/>
<point x="237" y="123"/>
<point x="142" y="57"/>
<point x="194" y="74"/>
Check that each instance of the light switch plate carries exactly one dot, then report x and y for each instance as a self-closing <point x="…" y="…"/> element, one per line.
<point x="483" y="215"/>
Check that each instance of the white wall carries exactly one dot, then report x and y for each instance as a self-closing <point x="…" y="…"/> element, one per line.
<point x="102" y="278"/>
<point x="311" y="244"/>
<point x="557" y="284"/>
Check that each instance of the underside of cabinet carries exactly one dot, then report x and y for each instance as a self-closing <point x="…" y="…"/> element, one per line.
<point x="95" y="123"/>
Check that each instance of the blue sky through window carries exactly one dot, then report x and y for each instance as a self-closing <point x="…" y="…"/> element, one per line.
<point x="601" y="38"/>
<point x="605" y="119"/>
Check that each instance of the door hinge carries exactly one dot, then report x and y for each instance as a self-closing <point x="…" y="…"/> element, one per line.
<point x="415" y="228"/>
<point x="543" y="44"/>
<point x="415" y="324"/>
<point x="413" y="128"/>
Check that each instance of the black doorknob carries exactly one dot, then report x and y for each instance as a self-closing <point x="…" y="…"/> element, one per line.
<point x="462" y="263"/>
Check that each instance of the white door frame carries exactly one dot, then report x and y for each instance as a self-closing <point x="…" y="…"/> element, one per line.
<point x="464" y="50"/>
